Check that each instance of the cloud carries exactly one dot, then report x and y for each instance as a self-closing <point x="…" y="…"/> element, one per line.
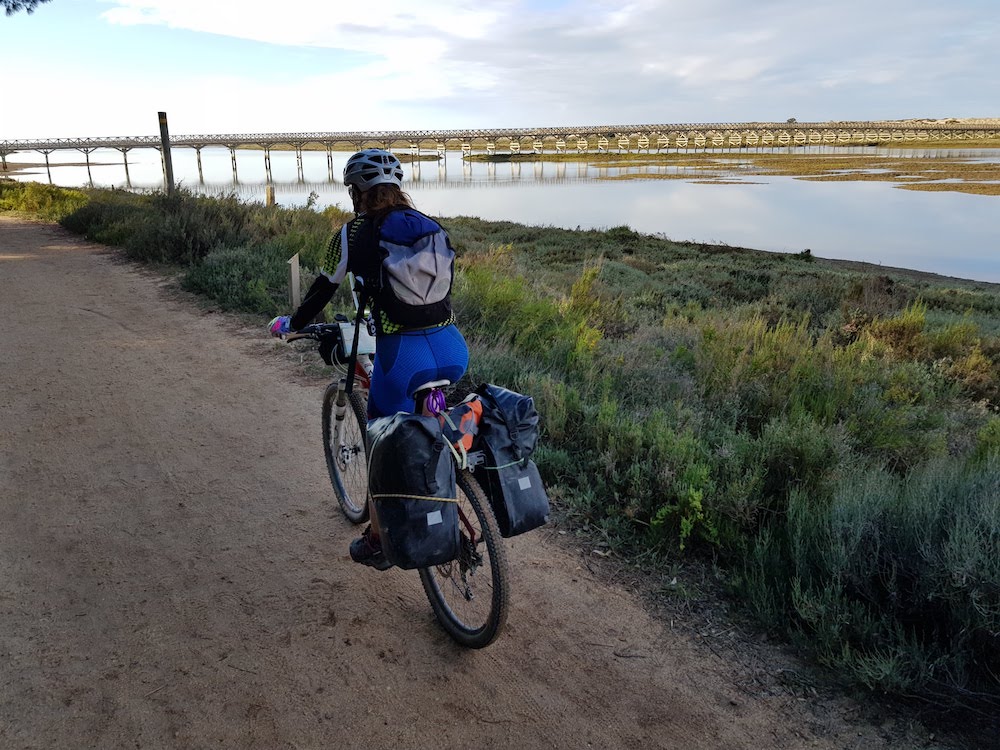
<point x="352" y="26"/>
<point x="512" y="63"/>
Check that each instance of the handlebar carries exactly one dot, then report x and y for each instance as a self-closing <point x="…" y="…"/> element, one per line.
<point x="315" y="331"/>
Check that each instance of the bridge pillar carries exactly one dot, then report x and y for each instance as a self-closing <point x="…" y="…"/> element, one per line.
<point x="201" y="176"/>
<point x="232" y="156"/>
<point x="86" y="154"/>
<point x="47" y="169"/>
<point x="298" y="163"/>
<point x="125" y="150"/>
<point x="3" y="160"/>
<point x="329" y="161"/>
<point x="267" y="162"/>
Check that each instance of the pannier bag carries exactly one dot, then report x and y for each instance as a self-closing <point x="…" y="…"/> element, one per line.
<point x="508" y="434"/>
<point x="412" y="481"/>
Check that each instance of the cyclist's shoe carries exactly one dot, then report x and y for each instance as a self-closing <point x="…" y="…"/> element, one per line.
<point x="367" y="550"/>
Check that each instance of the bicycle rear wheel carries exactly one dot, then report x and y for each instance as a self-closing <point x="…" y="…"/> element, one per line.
<point x="469" y="595"/>
<point x="346" y="451"/>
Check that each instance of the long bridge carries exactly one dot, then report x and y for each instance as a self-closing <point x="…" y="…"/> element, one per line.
<point x="581" y="139"/>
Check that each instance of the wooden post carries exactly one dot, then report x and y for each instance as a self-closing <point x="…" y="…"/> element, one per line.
<point x="168" y="163"/>
<point x="294" y="290"/>
<point x="269" y="197"/>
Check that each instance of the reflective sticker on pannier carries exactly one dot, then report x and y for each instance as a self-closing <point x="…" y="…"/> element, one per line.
<point x="524" y="483"/>
<point x="434" y="518"/>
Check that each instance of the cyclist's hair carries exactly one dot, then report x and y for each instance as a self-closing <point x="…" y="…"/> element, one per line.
<point x="381" y="199"/>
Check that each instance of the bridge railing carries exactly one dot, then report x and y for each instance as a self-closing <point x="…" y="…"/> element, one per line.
<point x="612" y="132"/>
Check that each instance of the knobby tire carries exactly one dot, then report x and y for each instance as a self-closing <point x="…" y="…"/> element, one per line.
<point x="480" y="573"/>
<point x="347" y="462"/>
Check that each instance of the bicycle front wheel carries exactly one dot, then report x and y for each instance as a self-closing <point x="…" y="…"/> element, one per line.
<point x="469" y="595"/>
<point x="345" y="445"/>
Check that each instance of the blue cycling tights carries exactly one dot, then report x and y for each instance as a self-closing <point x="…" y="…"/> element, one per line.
<point x="406" y="360"/>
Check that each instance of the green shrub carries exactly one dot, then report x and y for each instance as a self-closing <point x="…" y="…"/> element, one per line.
<point x="110" y="217"/>
<point x="897" y="580"/>
<point x="988" y="441"/>
<point x="44" y="201"/>
<point x="249" y="279"/>
<point x="182" y="228"/>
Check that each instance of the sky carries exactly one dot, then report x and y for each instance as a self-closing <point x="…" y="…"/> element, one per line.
<point x="77" y="68"/>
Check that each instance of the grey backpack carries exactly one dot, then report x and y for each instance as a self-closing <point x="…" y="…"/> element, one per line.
<point x="416" y="269"/>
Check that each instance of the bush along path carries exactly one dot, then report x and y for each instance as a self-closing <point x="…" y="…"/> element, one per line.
<point x="827" y="435"/>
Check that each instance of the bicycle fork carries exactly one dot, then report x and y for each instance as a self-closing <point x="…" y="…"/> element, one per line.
<point x="363" y="373"/>
<point x="340" y="408"/>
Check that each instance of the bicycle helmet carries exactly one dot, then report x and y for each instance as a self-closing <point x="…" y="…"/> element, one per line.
<point x="371" y="167"/>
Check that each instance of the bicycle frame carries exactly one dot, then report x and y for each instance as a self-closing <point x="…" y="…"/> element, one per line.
<point x="362" y="379"/>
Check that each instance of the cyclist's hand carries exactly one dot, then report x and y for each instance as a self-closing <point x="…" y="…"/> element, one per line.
<point x="280" y="326"/>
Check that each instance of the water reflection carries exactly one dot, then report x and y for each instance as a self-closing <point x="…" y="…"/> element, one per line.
<point x="949" y="233"/>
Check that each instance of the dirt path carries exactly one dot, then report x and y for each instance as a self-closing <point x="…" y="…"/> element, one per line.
<point x="173" y="572"/>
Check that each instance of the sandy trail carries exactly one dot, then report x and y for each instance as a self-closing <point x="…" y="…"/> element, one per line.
<point x="174" y="569"/>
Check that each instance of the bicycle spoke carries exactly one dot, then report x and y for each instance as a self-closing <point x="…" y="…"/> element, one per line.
<point x="469" y="594"/>
<point x="344" y="443"/>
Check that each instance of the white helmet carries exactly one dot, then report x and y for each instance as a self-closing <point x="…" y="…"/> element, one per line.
<point x="371" y="167"/>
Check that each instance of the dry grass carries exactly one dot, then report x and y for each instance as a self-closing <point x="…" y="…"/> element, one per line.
<point x="973" y="188"/>
<point x="912" y="173"/>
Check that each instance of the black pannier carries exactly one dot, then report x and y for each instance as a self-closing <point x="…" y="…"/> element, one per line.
<point x="412" y="481"/>
<point x="508" y="434"/>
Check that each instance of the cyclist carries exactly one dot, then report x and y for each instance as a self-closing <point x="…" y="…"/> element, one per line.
<point x="417" y="338"/>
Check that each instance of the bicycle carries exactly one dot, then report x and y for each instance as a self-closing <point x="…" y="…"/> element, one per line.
<point x="469" y="595"/>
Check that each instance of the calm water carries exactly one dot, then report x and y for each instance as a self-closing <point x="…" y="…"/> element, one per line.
<point x="947" y="233"/>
